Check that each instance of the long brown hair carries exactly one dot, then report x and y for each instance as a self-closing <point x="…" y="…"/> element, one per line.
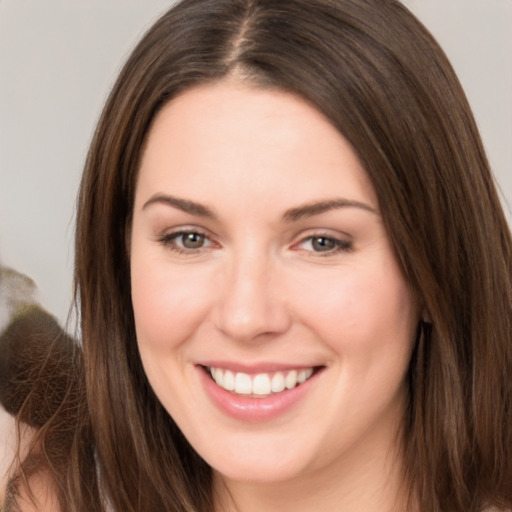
<point x="383" y="81"/>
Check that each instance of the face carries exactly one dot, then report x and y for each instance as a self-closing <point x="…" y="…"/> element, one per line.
<point x="273" y="321"/>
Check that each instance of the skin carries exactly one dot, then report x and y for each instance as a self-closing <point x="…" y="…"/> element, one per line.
<point x="44" y="496"/>
<point x="260" y="289"/>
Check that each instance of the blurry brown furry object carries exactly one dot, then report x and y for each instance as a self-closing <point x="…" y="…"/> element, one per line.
<point x="36" y="356"/>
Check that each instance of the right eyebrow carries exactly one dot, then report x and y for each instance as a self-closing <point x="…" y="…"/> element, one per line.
<point x="184" y="205"/>
<point x="317" y="208"/>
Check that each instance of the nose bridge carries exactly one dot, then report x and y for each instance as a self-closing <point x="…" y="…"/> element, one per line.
<point x="251" y="304"/>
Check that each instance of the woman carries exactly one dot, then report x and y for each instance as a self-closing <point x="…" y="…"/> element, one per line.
<point x="293" y="274"/>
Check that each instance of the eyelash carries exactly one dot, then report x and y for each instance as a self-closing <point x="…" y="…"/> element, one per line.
<point x="169" y="241"/>
<point x="338" y="245"/>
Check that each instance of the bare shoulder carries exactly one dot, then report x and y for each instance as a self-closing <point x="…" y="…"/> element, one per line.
<point x="44" y="498"/>
<point x="7" y="448"/>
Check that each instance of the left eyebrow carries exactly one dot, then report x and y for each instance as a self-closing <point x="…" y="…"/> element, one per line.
<point x="184" y="205"/>
<point x="316" y="208"/>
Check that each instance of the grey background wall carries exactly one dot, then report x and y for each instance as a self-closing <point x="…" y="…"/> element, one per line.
<point x="59" y="58"/>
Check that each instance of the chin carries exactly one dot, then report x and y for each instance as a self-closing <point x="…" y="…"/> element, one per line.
<point x="258" y="473"/>
<point x="260" y="461"/>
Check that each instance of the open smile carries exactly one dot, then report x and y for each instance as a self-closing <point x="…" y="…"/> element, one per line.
<point x="259" y="385"/>
<point x="254" y="396"/>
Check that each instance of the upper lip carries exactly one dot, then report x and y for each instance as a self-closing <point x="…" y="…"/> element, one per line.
<point x="253" y="368"/>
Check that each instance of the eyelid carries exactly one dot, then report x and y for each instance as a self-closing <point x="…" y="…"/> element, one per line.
<point x="167" y="237"/>
<point x="343" y="241"/>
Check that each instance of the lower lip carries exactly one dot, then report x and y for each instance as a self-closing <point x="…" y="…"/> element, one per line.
<point x="251" y="409"/>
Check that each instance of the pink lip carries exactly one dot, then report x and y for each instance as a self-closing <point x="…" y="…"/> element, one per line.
<point x="255" y="368"/>
<point x="254" y="410"/>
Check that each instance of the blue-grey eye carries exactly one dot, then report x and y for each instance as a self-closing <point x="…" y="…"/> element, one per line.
<point x="192" y="240"/>
<point x="323" y="243"/>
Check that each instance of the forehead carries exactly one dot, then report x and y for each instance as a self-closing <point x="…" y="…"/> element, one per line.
<point x="249" y="142"/>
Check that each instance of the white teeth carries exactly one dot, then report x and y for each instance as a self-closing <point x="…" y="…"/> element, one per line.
<point x="229" y="380"/>
<point x="217" y="375"/>
<point x="304" y="375"/>
<point x="262" y="384"/>
<point x="243" y="384"/>
<point x="290" y="380"/>
<point x="277" y="382"/>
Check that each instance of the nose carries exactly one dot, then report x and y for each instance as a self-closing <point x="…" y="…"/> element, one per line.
<point x="251" y="304"/>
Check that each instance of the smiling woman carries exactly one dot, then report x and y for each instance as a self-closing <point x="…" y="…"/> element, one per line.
<point x="277" y="302"/>
<point x="293" y="274"/>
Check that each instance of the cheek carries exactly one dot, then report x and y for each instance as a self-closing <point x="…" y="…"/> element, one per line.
<point x="356" y="310"/>
<point x="168" y="305"/>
